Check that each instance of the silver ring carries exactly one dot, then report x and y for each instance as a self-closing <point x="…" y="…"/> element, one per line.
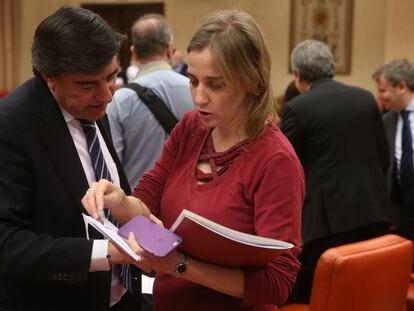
<point x="89" y="190"/>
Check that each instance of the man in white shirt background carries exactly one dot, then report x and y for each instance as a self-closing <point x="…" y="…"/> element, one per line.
<point x="395" y="85"/>
<point x="137" y="135"/>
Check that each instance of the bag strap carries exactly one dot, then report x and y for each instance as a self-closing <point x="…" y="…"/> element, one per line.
<point x="157" y="107"/>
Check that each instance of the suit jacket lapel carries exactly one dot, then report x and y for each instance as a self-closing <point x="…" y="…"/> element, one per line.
<point x="390" y="125"/>
<point x="391" y="130"/>
<point x="59" y="143"/>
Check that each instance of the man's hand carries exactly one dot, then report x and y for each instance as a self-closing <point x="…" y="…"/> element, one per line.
<point x="100" y="195"/>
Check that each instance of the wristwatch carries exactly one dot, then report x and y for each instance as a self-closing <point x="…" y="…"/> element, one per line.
<point x="181" y="267"/>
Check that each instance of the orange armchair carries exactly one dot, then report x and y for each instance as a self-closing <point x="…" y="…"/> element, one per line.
<point x="410" y="294"/>
<point x="371" y="275"/>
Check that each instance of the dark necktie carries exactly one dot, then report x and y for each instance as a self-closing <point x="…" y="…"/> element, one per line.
<point x="407" y="165"/>
<point x="101" y="171"/>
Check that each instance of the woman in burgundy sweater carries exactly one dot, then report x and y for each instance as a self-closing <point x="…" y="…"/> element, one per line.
<point x="225" y="161"/>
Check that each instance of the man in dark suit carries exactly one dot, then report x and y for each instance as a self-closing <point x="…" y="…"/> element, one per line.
<point x="46" y="262"/>
<point x="339" y="137"/>
<point x="395" y="84"/>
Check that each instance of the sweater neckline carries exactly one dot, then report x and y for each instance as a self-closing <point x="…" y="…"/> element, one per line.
<point x="219" y="162"/>
<point x="236" y="163"/>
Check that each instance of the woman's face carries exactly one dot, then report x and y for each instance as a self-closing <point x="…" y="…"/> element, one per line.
<point x="215" y="103"/>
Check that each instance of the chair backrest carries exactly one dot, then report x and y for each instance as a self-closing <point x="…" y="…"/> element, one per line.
<point x="371" y="275"/>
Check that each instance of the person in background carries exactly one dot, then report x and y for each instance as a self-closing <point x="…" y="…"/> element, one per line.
<point x="46" y="262"/>
<point x="137" y="135"/>
<point x="381" y="106"/>
<point x="339" y="137"/>
<point x="225" y="161"/>
<point x="132" y="70"/>
<point x="395" y="84"/>
<point x="290" y="92"/>
<point x="178" y="63"/>
<point x="120" y="77"/>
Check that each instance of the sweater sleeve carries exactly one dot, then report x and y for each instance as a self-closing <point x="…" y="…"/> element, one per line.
<point x="278" y="202"/>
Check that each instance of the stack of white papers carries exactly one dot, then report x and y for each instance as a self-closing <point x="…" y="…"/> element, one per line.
<point x="109" y="231"/>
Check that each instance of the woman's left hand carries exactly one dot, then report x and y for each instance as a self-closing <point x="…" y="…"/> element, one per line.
<point x="150" y="262"/>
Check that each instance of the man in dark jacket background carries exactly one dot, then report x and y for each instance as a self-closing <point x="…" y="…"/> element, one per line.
<point x="339" y="137"/>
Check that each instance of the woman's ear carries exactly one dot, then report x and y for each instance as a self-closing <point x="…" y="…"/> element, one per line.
<point x="258" y="90"/>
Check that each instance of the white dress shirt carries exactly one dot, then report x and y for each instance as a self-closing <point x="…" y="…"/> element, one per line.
<point x="99" y="262"/>
<point x="398" y="134"/>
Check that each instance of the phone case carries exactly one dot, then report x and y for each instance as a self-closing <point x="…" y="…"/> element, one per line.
<point x="150" y="236"/>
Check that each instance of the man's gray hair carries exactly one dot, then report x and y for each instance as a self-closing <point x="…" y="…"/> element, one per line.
<point x="396" y="71"/>
<point x="150" y="35"/>
<point x="313" y="60"/>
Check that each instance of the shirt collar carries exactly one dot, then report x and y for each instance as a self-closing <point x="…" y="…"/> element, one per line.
<point x="410" y="106"/>
<point x="68" y="117"/>
<point x="153" y="66"/>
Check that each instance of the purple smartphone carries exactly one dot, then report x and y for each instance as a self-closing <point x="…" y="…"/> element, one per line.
<point x="150" y="236"/>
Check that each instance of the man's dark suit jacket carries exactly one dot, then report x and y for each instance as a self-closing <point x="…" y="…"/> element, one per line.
<point x="44" y="255"/>
<point x="339" y="137"/>
<point x="404" y="212"/>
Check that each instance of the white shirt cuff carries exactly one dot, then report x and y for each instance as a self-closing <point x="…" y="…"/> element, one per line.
<point x="99" y="261"/>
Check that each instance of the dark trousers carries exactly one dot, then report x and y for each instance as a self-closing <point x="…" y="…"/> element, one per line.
<point x="313" y="250"/>
<point x="128" y="302"/>
<point x="132" y="302"/>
